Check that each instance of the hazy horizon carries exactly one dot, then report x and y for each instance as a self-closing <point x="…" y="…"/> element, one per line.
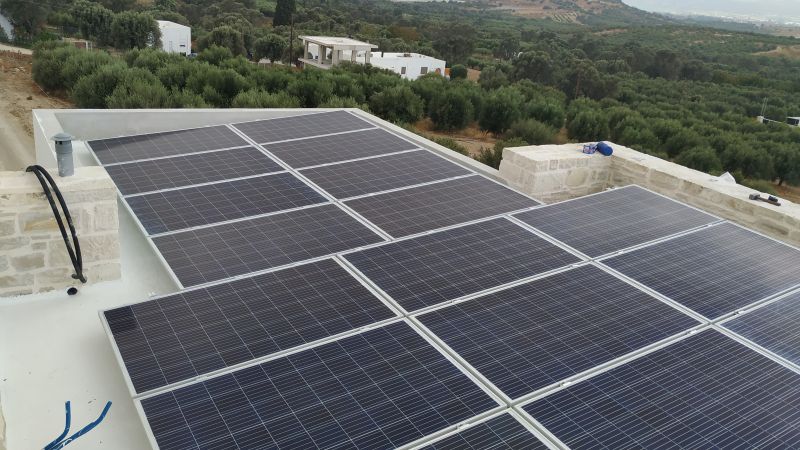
<point x="779" y="10"/>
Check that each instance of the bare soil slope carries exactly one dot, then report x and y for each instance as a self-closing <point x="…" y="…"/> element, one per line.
<point x="18" y="96"/>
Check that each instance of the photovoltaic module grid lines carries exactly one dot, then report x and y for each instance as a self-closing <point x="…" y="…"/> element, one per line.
<point x="192" y="333"/>
<point x="613" y="220"/>
<point x="167" y="173"/>
<point x="171" y="143"/>
<point x="301" y="126"/>
<point x="338" y="147"/>
<point x="381" y="174"/>
<point x="706" y="391"/>
<point x="539" y="333"/>
<point x="203" y="205"/>
<point x="774" y="327"/>
<point x="425" y="208"/>
<point x="379" y="389"/>
<point x="449" y="264"/>
<point x="714" y="271"/>
<point x="226" y="250"/>
<point x="502" y="432"/>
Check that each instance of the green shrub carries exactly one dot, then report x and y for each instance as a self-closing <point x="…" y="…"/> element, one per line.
<point x="760" y="185"/>
<point x="458" y="72"/>
<point x="397" y="104"/>
<point x="533" y="132"/>
<point x="451" y="110"/>
<point x="91" y="91"/>
<point x="255" y="98"/>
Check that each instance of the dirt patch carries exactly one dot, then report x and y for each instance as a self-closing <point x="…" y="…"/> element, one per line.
<point x="19" y="95"/>
<point x="791" y="193"/>
<point x="788" y="51"/>
<point x="472" y="138"/>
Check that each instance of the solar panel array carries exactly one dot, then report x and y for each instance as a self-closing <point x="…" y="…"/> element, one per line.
<point x="343" y="287"/>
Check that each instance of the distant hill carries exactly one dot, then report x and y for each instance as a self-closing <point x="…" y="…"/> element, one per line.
<point x="587" y="12"/>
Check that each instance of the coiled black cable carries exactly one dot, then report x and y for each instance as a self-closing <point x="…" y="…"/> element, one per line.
<point x="74" y="249"/>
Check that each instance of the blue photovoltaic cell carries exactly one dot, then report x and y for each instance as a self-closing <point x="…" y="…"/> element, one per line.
<point x="170" y="143"/>
<point x="225" y="250"/>
<point x="379" y="389"/>
<point x="185" y="170"/>
<point x="189" y="207"/>
<point x="613" y="220"/>
<point x="529" y="336"/>
<point x="775" y="327"/>
<point x="714" y="271"/>
<point x="500" y="433"/>
<point x="191" y="333"/>
<point x="301" y="126"/>
<point x="707" y="391"/>
<point x="366" y="176"/>
<point x="449" y="264"/>
<point x="424" y="208"/>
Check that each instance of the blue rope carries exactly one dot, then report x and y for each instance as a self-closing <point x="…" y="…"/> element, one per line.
<point x="60" y="442"/>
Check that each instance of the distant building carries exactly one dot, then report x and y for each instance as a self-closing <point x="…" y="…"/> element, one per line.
<point x="6" y="26"/>
<point x="324" y="51"/>
<point x="335" y="50"/>
<point x="795" y="121"/>
<point x="409" y="65"/>
<point x="175" y="38"/>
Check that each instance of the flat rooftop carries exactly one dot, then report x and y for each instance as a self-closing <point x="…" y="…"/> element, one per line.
<point x="332" y="41"/>
<point x="327" y="278"/>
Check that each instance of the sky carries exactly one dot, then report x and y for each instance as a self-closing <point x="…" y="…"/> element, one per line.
<point x="783" y="10"/>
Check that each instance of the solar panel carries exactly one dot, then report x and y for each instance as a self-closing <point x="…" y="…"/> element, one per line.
<point x="170" y="143"/>
<point x="381" y="174"/>
<point x="706" y="391"/>
<point x="202" y="205"/>
<point x="714" y="271"/>
<point x="773" y="327"/>
<point x="192" y="333"/>
<point x="449" y="264"/>
<point x="380" y="389"/>
<point x="301" y="126"/>
<point x="424" y="208"/>
<point x="178" y="171"/>
<point x="226" y="250"/>
<point x="604" y="223"/>
<point x="532" y="335"/>
<point x="339" y="147"/>
<point x="501" y="432"/>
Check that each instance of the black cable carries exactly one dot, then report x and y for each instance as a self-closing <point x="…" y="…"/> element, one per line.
<point x="74" y="255"/>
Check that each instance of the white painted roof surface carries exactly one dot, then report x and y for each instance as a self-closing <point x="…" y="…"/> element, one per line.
<point x="53" y="348"/>
<point x="330" y="41"/>
<point x="167" y="24"/>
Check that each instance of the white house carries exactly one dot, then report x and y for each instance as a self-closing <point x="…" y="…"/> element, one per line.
<point x="175" y="38"/>
<point x="409" y="65"/>
<point x="335" y="50"/>
<point x="5" y="24"/>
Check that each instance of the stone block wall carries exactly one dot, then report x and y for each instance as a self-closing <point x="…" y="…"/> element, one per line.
<point x="554" y="173"/>
<point x="33" y="257"/>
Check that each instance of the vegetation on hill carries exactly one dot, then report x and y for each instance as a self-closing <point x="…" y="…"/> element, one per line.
<point x="685" y="93"/>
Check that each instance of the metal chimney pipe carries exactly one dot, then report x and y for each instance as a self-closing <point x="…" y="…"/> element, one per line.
<point x="66" y="167"/>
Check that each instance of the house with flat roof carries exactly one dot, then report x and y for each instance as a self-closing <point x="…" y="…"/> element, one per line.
<point x="325" y="52"/>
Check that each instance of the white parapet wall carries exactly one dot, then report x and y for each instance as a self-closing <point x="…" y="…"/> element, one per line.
<point x="553" y="173"/>
<point x="33" y="257"/>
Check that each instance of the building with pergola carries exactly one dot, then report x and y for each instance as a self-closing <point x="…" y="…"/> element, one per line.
<point x="324" y="51"/>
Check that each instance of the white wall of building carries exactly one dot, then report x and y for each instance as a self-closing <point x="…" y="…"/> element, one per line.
<point x="408" y="65"/>
<point x="175" y="38"/>
<point x="5" y="24"/>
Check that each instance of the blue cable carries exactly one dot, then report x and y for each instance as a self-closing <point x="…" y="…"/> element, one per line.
<point x="60" y="442"/>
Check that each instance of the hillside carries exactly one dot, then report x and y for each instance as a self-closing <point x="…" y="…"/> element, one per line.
<point x="587" y="12"/>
